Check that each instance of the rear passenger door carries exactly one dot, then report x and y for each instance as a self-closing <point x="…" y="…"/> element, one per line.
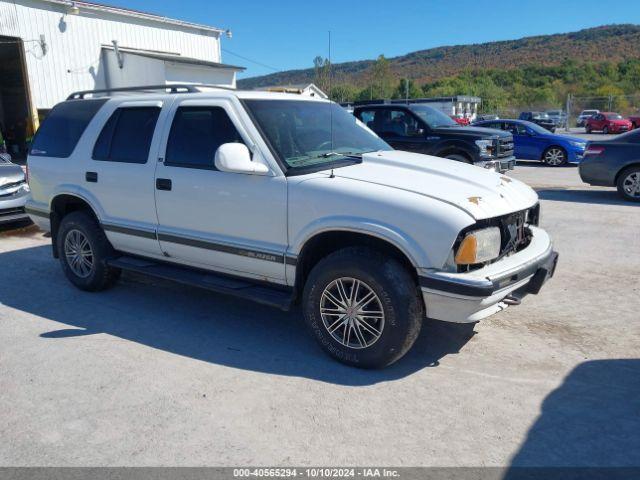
<point x="229" y="222"/>
<point x="120" y="175"/>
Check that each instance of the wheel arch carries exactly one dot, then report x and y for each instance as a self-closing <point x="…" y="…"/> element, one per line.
<point x="325" y="242"/>
<point x="634" y="163"/>
<point x="62" y="204"/>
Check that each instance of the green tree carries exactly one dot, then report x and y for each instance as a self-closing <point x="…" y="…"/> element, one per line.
<point x="381" y="78"/>
<point x="321" y="73"/>
<point x="407" y="87"/>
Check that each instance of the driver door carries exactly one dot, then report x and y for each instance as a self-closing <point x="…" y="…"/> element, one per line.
<point x="399" y="128"/>
<point x="229" y="222"/>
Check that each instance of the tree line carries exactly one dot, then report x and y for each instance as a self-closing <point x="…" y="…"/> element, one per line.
<point x="500" y="89"/>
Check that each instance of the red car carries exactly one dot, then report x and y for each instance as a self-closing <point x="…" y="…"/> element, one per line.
<point x="608" y="122"/>
<point x="460" y="120"/>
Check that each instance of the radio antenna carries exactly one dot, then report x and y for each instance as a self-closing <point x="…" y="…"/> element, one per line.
<point x="330" y="104"/>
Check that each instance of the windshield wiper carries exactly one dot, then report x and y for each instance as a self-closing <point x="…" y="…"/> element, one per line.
<point x="340" y="154"/>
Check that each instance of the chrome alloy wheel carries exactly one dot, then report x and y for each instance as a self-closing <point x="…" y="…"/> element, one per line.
<point x="631" y="184"/>
<point x="78" y="253"/>
<point x="554" y="157"/>
<point x="352" y="313"/>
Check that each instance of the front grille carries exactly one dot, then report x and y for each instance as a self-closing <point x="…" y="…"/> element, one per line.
<point x="514" y="232"/>
<point x="505" y="147"/>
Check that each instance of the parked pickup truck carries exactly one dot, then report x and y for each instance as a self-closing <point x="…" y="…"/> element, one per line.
<point x="282" y="200"/>
<point x="422" y="129"/>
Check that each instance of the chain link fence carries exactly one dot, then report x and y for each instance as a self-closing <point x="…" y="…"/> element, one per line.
<point x="625" y="105"/>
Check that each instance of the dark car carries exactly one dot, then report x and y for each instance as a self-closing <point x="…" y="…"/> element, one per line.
<point x="422" y="129"/>
<point x="539" y="118"/>
<point x="532" y="142"/>
<point x="614" y="163"/>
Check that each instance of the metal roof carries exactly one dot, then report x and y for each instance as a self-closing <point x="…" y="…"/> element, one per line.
<point x="134" y="13"/>
<point x="173" y="57"/>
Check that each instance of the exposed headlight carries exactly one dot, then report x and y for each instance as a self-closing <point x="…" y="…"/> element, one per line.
<point x="581" y="145"/>
<point x="486" y="147"/>
<point x="479" y="246"/>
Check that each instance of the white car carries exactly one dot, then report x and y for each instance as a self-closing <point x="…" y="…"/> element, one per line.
<point x="584" y="116"/>
<point x="283" y="200"/>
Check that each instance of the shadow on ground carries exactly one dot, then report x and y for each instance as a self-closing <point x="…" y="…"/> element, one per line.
<point x="591" y="420"/>
<point x="198" y="324"/>
<point x="602" y="197"/>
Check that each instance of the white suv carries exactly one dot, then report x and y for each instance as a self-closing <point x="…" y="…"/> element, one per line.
<point x="282" y="199"/>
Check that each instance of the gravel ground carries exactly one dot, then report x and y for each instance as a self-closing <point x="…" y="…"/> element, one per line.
<point x="151" y="373"/>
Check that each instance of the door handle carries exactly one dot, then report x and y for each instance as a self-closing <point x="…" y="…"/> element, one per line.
<point x="91" y="177"/>
<point x="163" y="184"/>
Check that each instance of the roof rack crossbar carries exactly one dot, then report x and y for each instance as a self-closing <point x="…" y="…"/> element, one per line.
<point x="171" y="88"/>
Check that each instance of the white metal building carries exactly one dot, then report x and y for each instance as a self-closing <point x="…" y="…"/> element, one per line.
<point x="50" y="48"/>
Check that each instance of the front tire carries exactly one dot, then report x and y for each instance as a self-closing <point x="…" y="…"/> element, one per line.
<point x="588" y="129"/>
<point x="605" y="130"/>
<point x="458" y="158"/>
<point x="83" y="250"/>
<point x="554" y="156"/>
<point x="628" y="184"/>
<point x="363" y="307"/>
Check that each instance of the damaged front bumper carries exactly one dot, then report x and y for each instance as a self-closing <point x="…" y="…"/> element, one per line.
<point x="472" y="296"/>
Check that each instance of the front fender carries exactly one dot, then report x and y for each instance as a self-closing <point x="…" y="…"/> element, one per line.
<point x="400" y="239"/>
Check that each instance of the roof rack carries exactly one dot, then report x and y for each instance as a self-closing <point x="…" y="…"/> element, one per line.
<point x="173" y="88"/>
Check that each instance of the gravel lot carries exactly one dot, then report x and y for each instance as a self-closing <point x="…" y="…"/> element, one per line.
<point x="152" y="373"/>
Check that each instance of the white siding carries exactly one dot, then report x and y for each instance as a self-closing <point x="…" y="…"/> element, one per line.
<point x="73" y="54"/>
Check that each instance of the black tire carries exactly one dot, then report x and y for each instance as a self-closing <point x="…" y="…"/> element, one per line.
<point x="588" y="129"/>
<point x="458" y="157"/>
<point x="397" y="294"/>
<point x="100" y="276"/>
<point x="621" y="180"/>
<point x="605" y="130"/>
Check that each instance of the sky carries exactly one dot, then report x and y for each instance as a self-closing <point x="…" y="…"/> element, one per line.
<point x="270" y="36"/>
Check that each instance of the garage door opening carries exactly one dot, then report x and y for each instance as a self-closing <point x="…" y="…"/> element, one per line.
<point x="15" y="108"/>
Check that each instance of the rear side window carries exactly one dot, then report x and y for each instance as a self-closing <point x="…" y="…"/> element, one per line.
<point x="127" y="135"/>
<point x="59" y="133"/>
<point x="196" y="134"/>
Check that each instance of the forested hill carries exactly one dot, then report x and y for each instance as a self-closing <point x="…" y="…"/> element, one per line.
<point x="613" y="43"/>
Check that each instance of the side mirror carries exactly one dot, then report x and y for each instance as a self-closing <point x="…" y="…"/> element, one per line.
<point x="235" y="158"/>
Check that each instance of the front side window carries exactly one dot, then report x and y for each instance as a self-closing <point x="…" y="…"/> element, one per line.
<point x="59" y="133"/>
<point x="432" y="117"/>
<point x="196" y="134"/>
<point x="127" y="135"/>
<point x="312" y="135"/>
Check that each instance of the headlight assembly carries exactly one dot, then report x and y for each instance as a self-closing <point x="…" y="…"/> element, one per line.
<point x="479" y="246"/>
<point x="486" y="147"/>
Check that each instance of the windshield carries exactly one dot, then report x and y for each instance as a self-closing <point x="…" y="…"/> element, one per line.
<point x="432" y="117"/>
<point x="300" y="133"/>
<point x="614" y="116"/>
<point x="554" y="113"/>
<point x="589" y="112"/>
<point x="539" y="115"/>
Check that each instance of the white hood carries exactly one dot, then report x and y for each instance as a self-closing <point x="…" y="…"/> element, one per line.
<point x="480" y="192"/>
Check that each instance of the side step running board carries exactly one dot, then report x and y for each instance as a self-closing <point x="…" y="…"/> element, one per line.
<point x="272" y="296"/>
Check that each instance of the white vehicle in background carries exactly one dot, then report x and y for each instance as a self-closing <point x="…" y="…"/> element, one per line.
<point x="584" y="115"/>
<point x="282" y="199"/>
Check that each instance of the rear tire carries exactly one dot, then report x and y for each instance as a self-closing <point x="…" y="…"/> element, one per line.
<point x="83" y="250"/>
<point x="374" y="334"/>
<point x="628" y="184"/>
